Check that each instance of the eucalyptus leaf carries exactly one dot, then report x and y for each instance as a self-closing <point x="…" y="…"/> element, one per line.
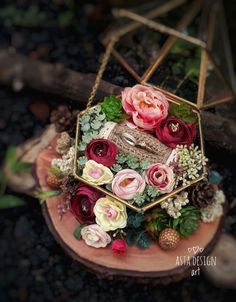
<point x="11" y="156"/>
<point x="47" y="194"/>
<point x="21" y="166"/>
<point x="77" y="232"/>
<point x="10" y="201"/>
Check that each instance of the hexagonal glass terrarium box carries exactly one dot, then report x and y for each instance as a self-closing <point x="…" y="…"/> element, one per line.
<point x="183" y="60"/>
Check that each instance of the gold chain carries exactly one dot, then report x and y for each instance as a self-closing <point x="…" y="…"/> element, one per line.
<point x="102" y="68"/>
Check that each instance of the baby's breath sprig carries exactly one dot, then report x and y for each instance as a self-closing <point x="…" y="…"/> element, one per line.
<point x="188" y="164"/>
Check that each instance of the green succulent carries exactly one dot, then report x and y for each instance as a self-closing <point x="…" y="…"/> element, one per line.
<point x="183" y="112"/>
<point x="188" y="222"/>
<point x="112" y="108"/>
<point x="156" y="221"/>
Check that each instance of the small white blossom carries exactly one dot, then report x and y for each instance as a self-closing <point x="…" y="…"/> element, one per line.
<point x="174" y="204"/>
<point x="65" y="164"/>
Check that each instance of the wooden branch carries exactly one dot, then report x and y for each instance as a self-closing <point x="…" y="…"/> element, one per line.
<point x="18" y="71"/>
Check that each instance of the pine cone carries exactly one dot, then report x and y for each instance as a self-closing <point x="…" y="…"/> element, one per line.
<point x="169" y="239"/>
<point x="202" y="194"/>
<point x="64" y="120"/>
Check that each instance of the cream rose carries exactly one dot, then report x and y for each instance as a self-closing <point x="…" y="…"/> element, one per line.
<point x="95" y="236"/>
<point x="97" y="173"/>
<point x="110" y="214"/>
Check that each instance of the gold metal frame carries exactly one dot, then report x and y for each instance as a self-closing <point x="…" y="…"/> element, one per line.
<point x="113" y="37"/>
<point x="172" y="99"/>
<point x="176" y="33"/>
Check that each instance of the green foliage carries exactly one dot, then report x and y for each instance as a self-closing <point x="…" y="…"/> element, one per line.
<point x="56" y="171"/>
<point x="112" y="108"/>
<point x="156" y="221"/>
<point x="129" y="161"/>
<point x="188" y="62"/>
<point x="116" y="168"/>
<point x="35" y="17"/>
<point x="152" y="192"/>
<point x="183" y="111"/>
<point x="77" y="232"/>
<point x="188" y="222"/>
<point x="135" y="220"/>
<point x="44" y="195"/>
<point x="140" y="199"/>
<point x="10" y="201"/>
<point x="82" y="160"/>
<point x="12" y="166"/>
<point x="138" y="237"/>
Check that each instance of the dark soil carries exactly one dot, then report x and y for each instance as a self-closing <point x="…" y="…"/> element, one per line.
<point x="33" y="267"/>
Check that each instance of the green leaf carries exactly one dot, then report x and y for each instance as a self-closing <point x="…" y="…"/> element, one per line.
<point x="21" y="166"/>
<point x="10" y="201"/>
<point x="56" y="171"/>
<point x="11" y="156"/>
<point x="143" y="240"/>
<point x="2" y="177"/>
<point x="47" y="194"/>
<point x="136" y="220"/>
<point x="77" y="232"/>
<point x="131" y="237"/>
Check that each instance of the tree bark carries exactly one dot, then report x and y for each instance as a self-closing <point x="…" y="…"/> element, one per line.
<point x="18" y="71"/>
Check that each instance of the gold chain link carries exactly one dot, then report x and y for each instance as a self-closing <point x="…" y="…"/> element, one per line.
<point x="102" y="68"/>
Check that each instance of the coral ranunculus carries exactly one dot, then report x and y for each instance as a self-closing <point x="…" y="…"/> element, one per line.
<point x="173" y="131"/>
<point x="119" y="247"/>
<point x="127" y="183"/>
<point x="102" y="151"/>
<point x="161" y="177"/>
<point x="94" y="236"/>
<point x="146" y="105"/>
<point x="82" y="202"/>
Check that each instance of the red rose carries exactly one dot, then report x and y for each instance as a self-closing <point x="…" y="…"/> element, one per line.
<point x="102" y="151"/>
<point x="119" y="247"/>
<point x="173" y="131"/>
<point x="82" y="202"/>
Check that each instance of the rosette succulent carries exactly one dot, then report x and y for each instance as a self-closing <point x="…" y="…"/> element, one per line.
<point x="112" y="108"/>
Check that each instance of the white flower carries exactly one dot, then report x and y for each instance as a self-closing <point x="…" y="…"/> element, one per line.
<point x="95" y="236"/>
<point x="174" y="204"/>
<point x="65" y="164"/>
<point x="110" y="214"/>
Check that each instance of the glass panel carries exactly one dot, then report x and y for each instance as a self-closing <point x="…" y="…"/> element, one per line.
<point x="178" y="73"/>
<point x="215" y="87"/>
<point x="220" y="47"/>
<point x="140" y="48"/>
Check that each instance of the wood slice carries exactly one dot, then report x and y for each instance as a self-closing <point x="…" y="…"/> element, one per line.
<point x="143" y="265"/>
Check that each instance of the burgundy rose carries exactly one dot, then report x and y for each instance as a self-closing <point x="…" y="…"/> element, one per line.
<point x="173" y="131"/>
<point x="82" y="202"/>
<point x="102" y="151"/>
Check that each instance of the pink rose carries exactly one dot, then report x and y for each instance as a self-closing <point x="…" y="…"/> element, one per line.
<point x="161" y="177"/>
<point x="119" y="247"/>
<point x="127" y="183"/>
<point x="146" y="105"/>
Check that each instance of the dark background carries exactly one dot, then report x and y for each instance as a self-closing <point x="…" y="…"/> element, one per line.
<point x="33" y="267"/>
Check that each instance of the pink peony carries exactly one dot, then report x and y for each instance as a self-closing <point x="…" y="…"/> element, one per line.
<point x="146" y="105"/>
<point x="127" y="183"/>
<point x="161" y="177"/>
<point x="119" y="247"/>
